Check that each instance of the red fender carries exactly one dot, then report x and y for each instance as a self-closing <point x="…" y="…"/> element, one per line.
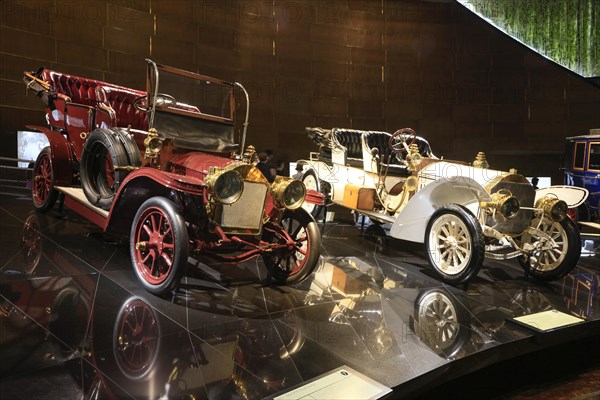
<point x="62" y="156"/>
<point x="142" y="184"/>
<point x="183" y="183"/>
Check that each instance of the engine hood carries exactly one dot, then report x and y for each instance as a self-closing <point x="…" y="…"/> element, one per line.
<point x="197" y="164"/>
<point x="444" y="169"/>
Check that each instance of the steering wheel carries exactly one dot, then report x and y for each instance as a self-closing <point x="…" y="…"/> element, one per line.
<point x="162" y="99"/>
<point x="401" y="140"/>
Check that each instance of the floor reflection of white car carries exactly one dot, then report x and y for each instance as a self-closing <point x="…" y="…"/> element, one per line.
<point x="462" y="212"/>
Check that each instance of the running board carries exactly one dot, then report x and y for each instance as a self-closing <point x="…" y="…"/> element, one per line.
<point x="75" y="199"/>
<point x="375" y="215"/>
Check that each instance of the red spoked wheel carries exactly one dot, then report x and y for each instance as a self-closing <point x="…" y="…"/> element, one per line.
<point x="159" y="245"/>
<point x="294" y="263"/>
<point x="136" y="339"/>
<point x="42" y="189"/>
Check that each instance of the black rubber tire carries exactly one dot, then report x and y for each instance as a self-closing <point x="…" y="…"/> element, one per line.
<point x="299" y="224"/>
<point x="473" y="233"/>
<point x="162" y="279"/>
<point x="101" y="146"/>
<point x="43" y="193"/>
<point x="134" y="157"/>
<point x="572" y="253"/>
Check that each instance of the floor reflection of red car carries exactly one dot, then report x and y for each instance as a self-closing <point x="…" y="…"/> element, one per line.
<point x="163" y="167"/>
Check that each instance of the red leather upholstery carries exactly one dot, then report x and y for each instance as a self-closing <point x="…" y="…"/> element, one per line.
<point x="114" y="99"/>
<point x="79" y="90"/>
<point x="121" y="100"/>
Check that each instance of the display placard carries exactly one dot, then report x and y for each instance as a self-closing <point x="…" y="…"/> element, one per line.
<point x="547" y="320"/>
<point x="341" y="383"/>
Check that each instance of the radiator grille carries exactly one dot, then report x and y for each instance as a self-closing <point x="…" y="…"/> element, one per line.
<point x="246" y="214"/>
<point x="525" y="193"/>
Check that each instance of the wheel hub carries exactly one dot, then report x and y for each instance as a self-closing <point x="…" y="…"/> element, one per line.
<point x="441" y="322"/>
<point x="451" y="243"/>
<point x="156" y="241"/>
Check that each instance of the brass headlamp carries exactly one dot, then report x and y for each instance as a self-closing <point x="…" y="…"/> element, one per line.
<point x="552" y="207"/>
<point x="226" y="186"/>
<point x="287" y="192"/>
<point x="504" y="203"/>
<point x="153" y="144"/>
<point x="414" y="157"/>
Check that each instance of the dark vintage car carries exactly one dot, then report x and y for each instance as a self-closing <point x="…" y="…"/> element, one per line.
<point x="163" y="166"/>
<point x="582" y="169"/>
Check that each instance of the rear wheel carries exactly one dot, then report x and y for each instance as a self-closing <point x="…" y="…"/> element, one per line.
<point x="42" y="188"/>
<point x="557" y="247"/>
<point x="455" y="244"/>
<point x="159" y="245"/>
<point x="292" y="265"/>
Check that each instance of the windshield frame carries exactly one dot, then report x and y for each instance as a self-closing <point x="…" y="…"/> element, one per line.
<point x="154" y="72"/>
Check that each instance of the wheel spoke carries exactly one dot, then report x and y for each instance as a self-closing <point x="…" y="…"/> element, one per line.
<point x="165" y="256"/>
<point x="147" y="229"/>
<point x="444" y="231"/>
<point x="301" y="250"/>
<point x="145" y="258"/>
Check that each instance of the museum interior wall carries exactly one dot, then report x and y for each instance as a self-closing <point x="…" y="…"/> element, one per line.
<point x="378" y="65"/>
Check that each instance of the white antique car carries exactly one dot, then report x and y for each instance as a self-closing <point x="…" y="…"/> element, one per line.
<point x="461" y="212"/>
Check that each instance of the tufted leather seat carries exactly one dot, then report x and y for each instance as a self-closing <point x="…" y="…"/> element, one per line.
<point x="379" y="140"/>
<point x="350" y="139"/>
<point x="116" y="100"/>
<point x="120" y="100"/>
<point x="78" y="90"/>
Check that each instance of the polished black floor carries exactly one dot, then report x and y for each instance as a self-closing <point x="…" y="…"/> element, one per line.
<point x="74" y="323"/>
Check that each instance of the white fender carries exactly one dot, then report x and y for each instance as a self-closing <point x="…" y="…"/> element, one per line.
<point x="572" y="195"/>
<point x="412" y="221"/>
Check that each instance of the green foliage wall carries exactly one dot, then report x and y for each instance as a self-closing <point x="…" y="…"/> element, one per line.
<point x="566" y="31"/>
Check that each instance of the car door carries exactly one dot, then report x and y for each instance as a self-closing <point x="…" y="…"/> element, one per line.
<point x="591" y="180"/>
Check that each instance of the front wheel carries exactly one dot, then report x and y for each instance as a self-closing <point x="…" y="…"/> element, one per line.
<point x="556" y="247"/>
<point x="159" y="245"/>
<point x="43" y="193"/>
<point x="292" y="265"/>
<point x="455" y="244"/>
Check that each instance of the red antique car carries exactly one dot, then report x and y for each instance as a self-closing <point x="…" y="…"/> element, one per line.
<point x="163" y="166"/>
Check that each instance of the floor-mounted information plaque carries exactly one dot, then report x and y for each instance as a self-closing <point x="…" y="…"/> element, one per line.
<point x="340" y="384"/>
<point x="547" y="320"/>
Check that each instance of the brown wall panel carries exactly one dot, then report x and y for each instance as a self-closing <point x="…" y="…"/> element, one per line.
<point x="33" y="16"/>
<point x="26" y="44"/>
<point x="456" y="80"/>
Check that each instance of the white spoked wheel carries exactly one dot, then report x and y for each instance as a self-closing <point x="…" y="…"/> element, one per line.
<point x="455" y="245"/>
<point x="452" y="244"/>
<point x="556" y="248"/>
